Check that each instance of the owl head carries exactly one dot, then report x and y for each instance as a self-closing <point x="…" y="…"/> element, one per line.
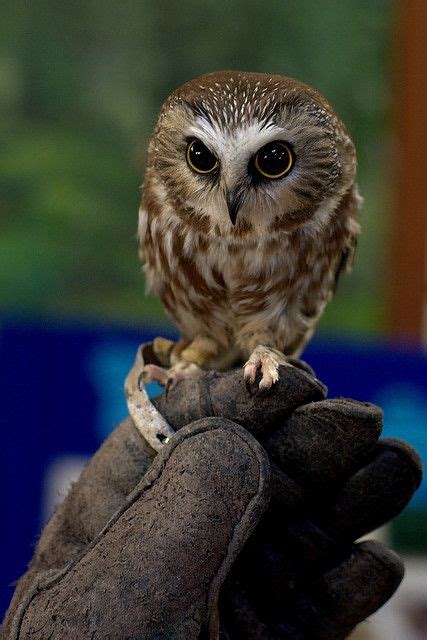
<point x="250" y="153"/>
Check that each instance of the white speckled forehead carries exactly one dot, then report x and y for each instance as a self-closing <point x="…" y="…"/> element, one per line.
<point x="238" y="102"/>
<point x="231" y="98"/>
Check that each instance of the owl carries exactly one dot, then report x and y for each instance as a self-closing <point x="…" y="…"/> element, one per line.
<point x="248" y="216"/>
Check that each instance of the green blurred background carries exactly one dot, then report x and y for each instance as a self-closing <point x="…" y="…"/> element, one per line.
<point x="81" y="85"/>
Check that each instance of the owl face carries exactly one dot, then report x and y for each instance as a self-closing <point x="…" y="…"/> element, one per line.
<point x="251" y="153"/>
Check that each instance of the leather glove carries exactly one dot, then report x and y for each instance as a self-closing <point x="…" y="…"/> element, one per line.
<point x="145" y="545"/>
<point x="301" y="576"/>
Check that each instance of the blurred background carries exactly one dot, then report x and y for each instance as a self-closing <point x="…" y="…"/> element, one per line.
<point x="81" y="84"/>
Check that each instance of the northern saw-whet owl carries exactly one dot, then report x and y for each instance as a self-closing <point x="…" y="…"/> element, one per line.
<point x="248" y="216"/>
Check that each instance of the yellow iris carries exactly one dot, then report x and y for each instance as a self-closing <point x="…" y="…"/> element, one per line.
<point x="274" y="160"/>
<point x="199" y="158"/>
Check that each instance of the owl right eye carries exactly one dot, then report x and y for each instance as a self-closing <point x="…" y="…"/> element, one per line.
<point x="199" y="158"/>
<point x="274" y="160"/>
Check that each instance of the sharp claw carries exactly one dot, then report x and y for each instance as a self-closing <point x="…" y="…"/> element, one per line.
<point x="250" y="370"/>
<point x="168" y="386"/>
<point x="145" y="377"/>
<point x="153" y="372"/>
<point x="261" y="392"/>
<point x="173" y="380"/>
<point x="265" y="361"/>
<point x="265" y="384"/>
<point x="141" y="380"/>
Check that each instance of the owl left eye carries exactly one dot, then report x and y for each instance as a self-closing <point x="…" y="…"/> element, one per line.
<point x="274" y="160"/>
<point x="199" y="158"/>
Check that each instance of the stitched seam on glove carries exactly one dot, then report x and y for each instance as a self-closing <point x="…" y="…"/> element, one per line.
<point x="240" y="533"/>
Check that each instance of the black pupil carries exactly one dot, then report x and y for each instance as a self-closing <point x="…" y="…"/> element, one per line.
<point x="200" y="156"/>
<point x="273" y="158"/>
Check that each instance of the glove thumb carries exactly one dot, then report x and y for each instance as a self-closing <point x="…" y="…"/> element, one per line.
<point x="156" y="568"/>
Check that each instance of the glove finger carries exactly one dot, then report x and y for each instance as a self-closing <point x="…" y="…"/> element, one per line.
<point x="376" y="493"/>
<point x="319" y="609"/>
<point x="226" y="394"/>
<point x="282" y="553"/>
<point x="324" y="442"/>
<point x="301" y="364"/>
<point x="283" y="550"/>
<point x="241" y="619"/>
<point x="348" y="593"/>
<point x="168" y="549"/>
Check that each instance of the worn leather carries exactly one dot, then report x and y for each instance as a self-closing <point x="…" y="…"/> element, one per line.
<point x="225" y="394"/>
<point x="153" y="558"/>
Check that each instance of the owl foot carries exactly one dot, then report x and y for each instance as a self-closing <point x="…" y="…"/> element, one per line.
<point x="154" y="373"/>
<point x="169" y="378"/>
<point x="180" y="371"/>
<point x="266" y="361"/>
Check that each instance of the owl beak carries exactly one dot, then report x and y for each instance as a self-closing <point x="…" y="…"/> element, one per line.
<point x="234" y="202"/>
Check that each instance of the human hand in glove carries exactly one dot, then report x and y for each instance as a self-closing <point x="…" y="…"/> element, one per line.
<point x="241" y="526"/>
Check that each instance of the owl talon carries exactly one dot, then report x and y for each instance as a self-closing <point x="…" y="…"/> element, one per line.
<point x="154" y="373"/>
<point x="250" y="370"/>
<point x="266" y="361"/>
<point x="173" y="380"/>
<point x="179" y="372"/>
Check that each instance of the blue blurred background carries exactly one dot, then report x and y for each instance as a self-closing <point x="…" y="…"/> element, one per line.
<point x="81" y="85"/>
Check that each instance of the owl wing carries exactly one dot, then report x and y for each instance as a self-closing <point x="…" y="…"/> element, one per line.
<point x="347" y="259"/>
<point x="350" y="207"/>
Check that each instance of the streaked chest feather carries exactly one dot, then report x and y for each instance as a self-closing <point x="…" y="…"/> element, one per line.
<point x="218" y="284"/>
